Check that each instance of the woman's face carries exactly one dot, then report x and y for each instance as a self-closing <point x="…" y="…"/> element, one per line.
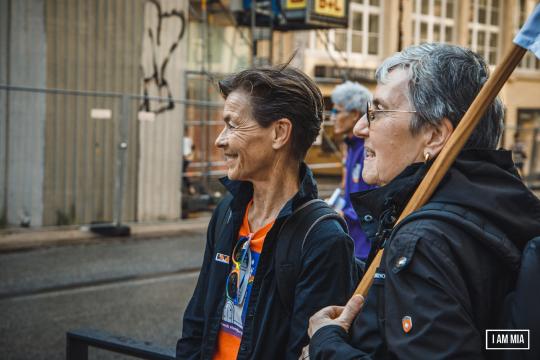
<point x="247" y="147"/>
<point x="343" y="120"/>
<point x="389" y="146"/>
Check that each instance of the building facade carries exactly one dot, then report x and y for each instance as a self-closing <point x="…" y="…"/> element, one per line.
<point x="378" y="28"/>
<point x="153" y="66"/>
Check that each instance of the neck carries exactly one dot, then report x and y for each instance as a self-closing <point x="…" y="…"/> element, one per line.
<point x="271" y="194"/>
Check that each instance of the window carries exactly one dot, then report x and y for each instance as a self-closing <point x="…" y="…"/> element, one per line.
<point x="362" y="37"/>
<point x="484" y="28"/>
<point x="529" y="61"/>
<point x="433" y="21"/>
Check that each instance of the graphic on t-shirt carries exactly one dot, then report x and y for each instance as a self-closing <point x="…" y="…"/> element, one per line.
<point x="243" y="262"/>
<point x="235" y="315"/>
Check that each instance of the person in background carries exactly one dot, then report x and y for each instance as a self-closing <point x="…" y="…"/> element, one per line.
<point x="518" y="153"/>
<point x="350" y="100"/>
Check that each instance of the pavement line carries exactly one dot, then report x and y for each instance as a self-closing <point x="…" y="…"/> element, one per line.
<point x="100" y="284"/>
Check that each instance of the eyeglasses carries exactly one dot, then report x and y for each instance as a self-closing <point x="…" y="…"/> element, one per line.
<point x="335" y="112"/>
<point x="370" y="112"/>
<point x="238" y="278"/>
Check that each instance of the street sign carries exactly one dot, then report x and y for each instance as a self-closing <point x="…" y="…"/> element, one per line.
<point x="295" y="4"/>
<point x="314" y="14"/>
<point x="332" y="8"/>
<point x="328" y="13"/>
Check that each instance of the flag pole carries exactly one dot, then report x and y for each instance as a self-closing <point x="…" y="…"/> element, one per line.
<point x="452" y="148"/>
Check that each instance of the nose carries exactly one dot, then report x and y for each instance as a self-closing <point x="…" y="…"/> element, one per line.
<point x="361" y="128"/>
<point x="221" y="140"/>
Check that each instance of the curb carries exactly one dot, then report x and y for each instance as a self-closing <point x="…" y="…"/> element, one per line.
<point x="45" y="237"/>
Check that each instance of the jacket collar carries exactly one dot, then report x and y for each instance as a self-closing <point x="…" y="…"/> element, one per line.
<point x="242" y="191"/>
<point x="481" y="181"/>
<point x="393" y="195"/>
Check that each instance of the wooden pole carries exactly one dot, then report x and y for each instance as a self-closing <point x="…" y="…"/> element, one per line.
<point x="452" y="148"/>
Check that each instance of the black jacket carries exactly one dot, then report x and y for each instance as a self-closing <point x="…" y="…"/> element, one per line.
<point x="328" y="276"/>
<point x="450" y="274"/>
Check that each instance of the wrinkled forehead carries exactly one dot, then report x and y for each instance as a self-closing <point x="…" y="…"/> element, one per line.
<point x="237" y="103"/>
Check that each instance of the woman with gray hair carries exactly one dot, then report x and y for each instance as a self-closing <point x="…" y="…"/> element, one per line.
<point x="447" y="267"/>
<point x="350" y="100"/>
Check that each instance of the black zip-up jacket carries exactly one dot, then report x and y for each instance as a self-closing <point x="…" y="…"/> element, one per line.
<point x="328" y="276"/>
<point x="442" y="280"/>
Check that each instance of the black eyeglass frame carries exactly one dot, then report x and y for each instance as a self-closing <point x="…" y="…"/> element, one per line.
<point x="370" y="112"/>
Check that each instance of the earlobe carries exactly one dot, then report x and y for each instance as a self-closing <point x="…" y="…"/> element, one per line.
<point x="438" y="136"/>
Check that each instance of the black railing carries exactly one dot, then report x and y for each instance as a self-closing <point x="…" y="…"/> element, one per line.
<point x="78" y="342"/>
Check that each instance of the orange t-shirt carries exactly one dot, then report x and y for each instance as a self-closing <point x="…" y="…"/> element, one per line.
<point x="232" y="321"/>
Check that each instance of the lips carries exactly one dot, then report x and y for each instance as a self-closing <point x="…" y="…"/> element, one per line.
<point x="229" y="157"/>
<point x="368" y="153"/>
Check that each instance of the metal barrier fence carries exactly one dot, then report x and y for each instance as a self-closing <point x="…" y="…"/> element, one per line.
<point x="78" y="342"/>
<point x="81" y="157"/>
<point x="77" y="157"/>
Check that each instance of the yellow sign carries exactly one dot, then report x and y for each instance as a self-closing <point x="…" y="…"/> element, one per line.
<point x="333" y="8"/>
<point x="296" y="4"/>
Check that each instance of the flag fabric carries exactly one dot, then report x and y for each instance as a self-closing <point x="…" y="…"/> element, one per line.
<point x="529" y="35"/>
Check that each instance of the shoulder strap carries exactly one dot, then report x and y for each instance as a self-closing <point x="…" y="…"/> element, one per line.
<point x="290" y="244"/>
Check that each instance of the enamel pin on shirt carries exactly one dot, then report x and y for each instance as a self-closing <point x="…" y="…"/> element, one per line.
<point x="406" y="323"/>
<point x="222" y="258"/>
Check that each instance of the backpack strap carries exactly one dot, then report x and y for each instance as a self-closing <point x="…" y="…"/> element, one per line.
<point x="292" y="237"/>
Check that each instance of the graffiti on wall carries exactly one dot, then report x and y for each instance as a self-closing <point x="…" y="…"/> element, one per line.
<point x="163" y="36"/>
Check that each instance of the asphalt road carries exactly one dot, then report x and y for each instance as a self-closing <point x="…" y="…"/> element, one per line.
<point x="136" y="288"/>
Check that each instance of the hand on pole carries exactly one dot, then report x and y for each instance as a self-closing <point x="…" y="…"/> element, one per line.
<point x="336" y="315"/>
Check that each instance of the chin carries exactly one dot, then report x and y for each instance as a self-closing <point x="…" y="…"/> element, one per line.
<point x="371" y="179"/>
<point x="232" y="175"/>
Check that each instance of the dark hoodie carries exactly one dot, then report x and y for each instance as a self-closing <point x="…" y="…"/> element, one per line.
<point x="446" y="268"/>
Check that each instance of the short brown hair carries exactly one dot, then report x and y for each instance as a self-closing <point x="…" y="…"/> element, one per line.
<point x="281" y="92"/>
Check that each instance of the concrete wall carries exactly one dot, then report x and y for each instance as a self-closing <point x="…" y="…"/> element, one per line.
<point x="4" y="79"/>
<point x="160" y="159"/>
<point x="25" y="112"/>
<point x="58" y="165"/>
<point x="91" y="46"/>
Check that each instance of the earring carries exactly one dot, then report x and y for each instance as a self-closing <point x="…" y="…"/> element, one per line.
<point x="426" y="156"/>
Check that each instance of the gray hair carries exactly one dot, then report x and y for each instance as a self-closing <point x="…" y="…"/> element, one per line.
<point x="443" y="82"/>
<point x="352" y="96"/>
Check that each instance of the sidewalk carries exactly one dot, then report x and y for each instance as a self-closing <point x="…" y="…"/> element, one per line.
<point x="24" y="239"/>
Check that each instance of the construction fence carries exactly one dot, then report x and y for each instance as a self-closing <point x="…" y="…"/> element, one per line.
<point x="80" y="157"/>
